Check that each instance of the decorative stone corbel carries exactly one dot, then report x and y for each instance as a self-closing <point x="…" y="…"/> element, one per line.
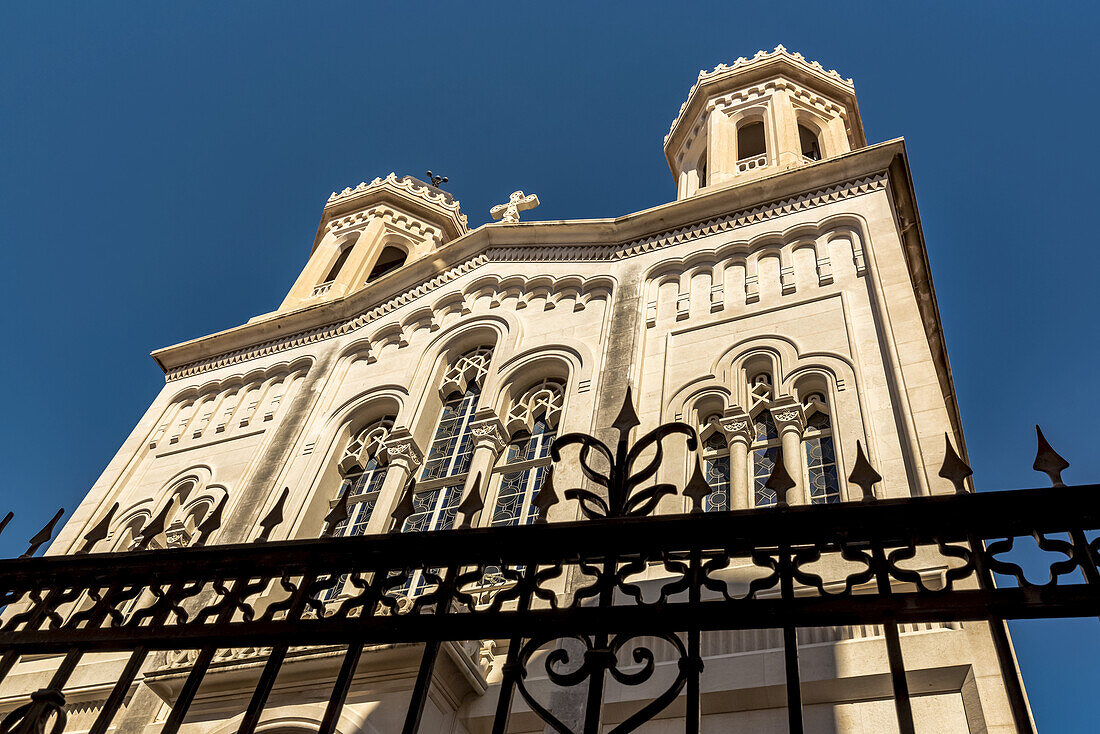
<point x="401" y="450"/>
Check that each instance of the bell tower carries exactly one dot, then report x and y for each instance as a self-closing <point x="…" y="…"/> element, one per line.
<point x="371" y="230"/>
<point x="760" y="116"/>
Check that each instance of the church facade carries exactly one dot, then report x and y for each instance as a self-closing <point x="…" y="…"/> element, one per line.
<point x="782" y="301"/>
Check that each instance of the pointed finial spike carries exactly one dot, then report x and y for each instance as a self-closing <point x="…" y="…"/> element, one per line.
<point x="780" y="480"/>
<point x="6" y="520"/>
<point x="545" y="498"/>
<point x="43" y="536"/>
<point x="99" y="532"/>
<point x="472" y="504"/>
<point x="954" y="469"/>
<point x="1048" y="461"/>
<point x="697" y="489"/>
<point x="338" y="513"/>
<point x="405" y="507"/>
<point x="273" y="518"/>
<point x="212" y="522"/>
<point x="627" y="418"/>
<point x="864" y="475"/>
<point x="155" y="526"/>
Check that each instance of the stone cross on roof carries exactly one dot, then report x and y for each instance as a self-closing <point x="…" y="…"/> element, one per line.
<point x="517" y="202"/>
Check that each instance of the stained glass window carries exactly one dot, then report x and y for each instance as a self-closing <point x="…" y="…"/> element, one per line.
<point x="526" y="463"/>
<point x="716" y="468"/>
<point x="452" y="446"/>
<point x="765" y="449"/>
<point x="821" y="468"/>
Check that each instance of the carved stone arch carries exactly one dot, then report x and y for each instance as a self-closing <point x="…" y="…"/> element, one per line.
<point x="129" y="524"/>
<point x="499" y="330"/>
<point x="568" y="363"/>
<point x="681" y="400"/>
<point x="730" y="365"/>
<point x="596" y="289"/>
<point x="451" y="303"/>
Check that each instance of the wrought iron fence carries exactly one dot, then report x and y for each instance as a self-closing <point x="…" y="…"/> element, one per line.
<point x="854" y="563"/>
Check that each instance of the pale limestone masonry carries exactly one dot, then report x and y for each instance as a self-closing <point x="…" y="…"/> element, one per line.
<point x="793" y="250"/>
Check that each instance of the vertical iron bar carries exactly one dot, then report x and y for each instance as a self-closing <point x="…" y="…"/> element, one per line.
<point x="342" y="685"/>
<point x="263" y="689"/>
<point x="790" y="647"/>
<point x="118" y="693"/>
<point x="794" y="689"/>
<point x="903" y="707"/>
<point x="202" y="662"/>
<point x="275" y="660"/>
<point x="187" y="693"/>
<point x="427" y="660"/>
<point x="1010" y="673"/>
<point x="126" y="679"/>
<point x="691" y="715"/>
<point x="420" y="689"/>
<point x="340" y="688"/>
<point x="511" y="670"/>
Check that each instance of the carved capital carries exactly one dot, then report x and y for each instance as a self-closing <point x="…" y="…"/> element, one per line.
<point x="788" y="415"/>
<point x="401" y="450"/>
<point x="737" y="425"/>
<point x="488" y="431"/>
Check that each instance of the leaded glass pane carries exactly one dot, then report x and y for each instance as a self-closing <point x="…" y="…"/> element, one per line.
<point x="452" y="446"/>
<point x="718" y="477"/>
<point x="518" y="488"/>
<point x="715" y="442"/>
<point x="763" y="462"/>
<point x="822" y="474"/>
<point x="765" y="427"/>
<point x="818" y="420"/>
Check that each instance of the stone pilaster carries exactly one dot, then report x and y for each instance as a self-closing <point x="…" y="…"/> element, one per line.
<point x="490" y="438"/>
<point x="790" y="421"/>
<point x="738" y="428"/>
<point x="404" y="458"/>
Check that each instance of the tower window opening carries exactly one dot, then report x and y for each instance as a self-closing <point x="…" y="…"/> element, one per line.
<point x="807" y="139"/>
<point x="334" y="271"/>
<point x="702" y="169"/>
<point x="389" y="260"/>
<point x="750" y="140"/>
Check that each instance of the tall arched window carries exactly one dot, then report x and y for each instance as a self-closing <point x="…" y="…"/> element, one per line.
<point x="765" y="451"/>
<point x="716" y="467"/>
<point x="362" y="468"/>
<point x="807" y="140"/>
<point x="750" y="140"/>
<point x="390" y="259"/>
<point x="817" y="440"/>
<point x="334" y="271"/>
<point x="448" y="460"/>
<point x="533" y="423"/>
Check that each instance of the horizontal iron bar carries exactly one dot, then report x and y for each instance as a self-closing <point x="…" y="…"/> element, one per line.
<point x="1076" y="600"/>
<point x="888" y="522"/>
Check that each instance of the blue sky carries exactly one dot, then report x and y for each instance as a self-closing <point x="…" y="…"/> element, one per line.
<point x="162" y="173"/>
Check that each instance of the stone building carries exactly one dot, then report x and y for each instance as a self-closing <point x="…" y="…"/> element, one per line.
<point x="783" y="299"/>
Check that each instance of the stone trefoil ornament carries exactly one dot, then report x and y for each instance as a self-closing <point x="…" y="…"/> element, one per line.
<point x="517" y="202"/>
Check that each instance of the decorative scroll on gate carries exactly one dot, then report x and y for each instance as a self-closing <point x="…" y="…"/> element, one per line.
<point x="565" y="594"/>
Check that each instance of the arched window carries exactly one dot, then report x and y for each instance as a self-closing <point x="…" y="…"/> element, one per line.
<point x="807" y="139"/>
<point x="702" y="169"/>
<point x="750" y="140"/>
<point x="444" y="472"/>
<point x="390" y="259"/>
<point x="334" y="271"/>
<point x="765" y="451"/>
<point x="533" y="424"/>
<point x="362" y="468"/>
<point x="716" y="467"/>
<point x="817" y="441"/>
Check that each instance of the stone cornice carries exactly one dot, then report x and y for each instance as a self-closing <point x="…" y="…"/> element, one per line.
<point x="833" y="180"/>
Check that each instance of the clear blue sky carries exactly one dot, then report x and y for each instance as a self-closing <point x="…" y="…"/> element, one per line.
<point x="162" y="173"/>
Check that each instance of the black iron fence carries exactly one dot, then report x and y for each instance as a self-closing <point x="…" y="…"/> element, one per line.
<point x="855" y="563"/>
